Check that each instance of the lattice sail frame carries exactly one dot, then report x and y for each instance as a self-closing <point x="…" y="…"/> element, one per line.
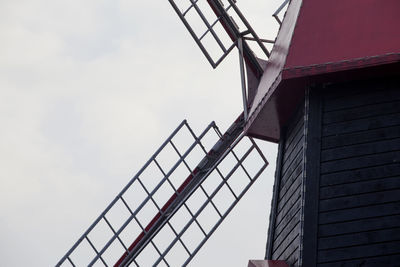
<point x="216" y="26"/>
<point x="133" y="213"/>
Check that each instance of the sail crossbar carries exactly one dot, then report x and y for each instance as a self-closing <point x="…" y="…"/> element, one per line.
<point x="160" y="212"/>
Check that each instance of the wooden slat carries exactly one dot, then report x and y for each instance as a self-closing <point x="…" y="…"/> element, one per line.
<point x="293" y="137"/>
<point x="384" y="261"/>
<point x="293" y="259"/>
<point x="360" y="162"/>
<point x="360" y="187"/>
<point x="291" y="200"/>
<point x="285" y="252"/>
<point x="357" y="88"/>
<point x="369" y="250"/>
<point x="356" y="239"/>
<point x="292" y="218"/>
<point x="295" y="177"/>
<point x="360" y="137"/>
<point x="360" y="150"/>
<point x="288" y="227"/>
<point x="365" y="174"/>
<point x="359" y="196"/>
<point x="351" y="101"/>
<point x="288" y="211"/>
<point x="283" y="239"/>
<point x="361" y="125"/>
<point x="282" y="243"/>
<point x="295" y="125"/>
<point x="290" y="191"/>
<point x="361" y="200"/>
<point x="289" y="168"/>
<point x="368" y="224"/>
<point x="359" y="213"/>
<point x="362" y="112"/>
<point x="297" y="144"/>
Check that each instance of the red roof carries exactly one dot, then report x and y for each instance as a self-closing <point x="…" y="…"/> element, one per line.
<point x="323" y="39"/>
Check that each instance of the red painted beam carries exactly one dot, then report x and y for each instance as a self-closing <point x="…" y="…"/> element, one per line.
<point x="233" y="34"/>
<point x="157" y="217"/>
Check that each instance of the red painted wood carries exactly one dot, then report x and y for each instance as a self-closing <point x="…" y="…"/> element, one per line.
<point x="331" y="31"/>
<point x="157" y="217"/>
<point x="323" y="41"/>
<point x="257" y="126"/>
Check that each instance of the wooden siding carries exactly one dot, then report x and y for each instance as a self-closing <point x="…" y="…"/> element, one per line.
<point x="359" y="195"/>
<point x="285" y="229"/>
<point x="337" y="187"/>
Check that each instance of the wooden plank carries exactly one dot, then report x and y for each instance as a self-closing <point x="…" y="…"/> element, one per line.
<point x="361" y="124"/>
<point x="360" y="213"/>
<point x="340" y="90"/>
<point x="349" y="253"/>
<point x="274" y="202"/>
<point x="291" y="224"/>
<point x="384" y="261"/>
<point x="360" y="162"/>
<point x="360" y="149"/>
<point x="311" y="181"/>
<point x="284" y="253"/>
<point x="359" y="187"/>
<point x="293" y="259"/>
<point x="361" y="200"/>
<point x="361" y="112"/>
<point x="284" y="207"/>
<point x="288" y="210"/>
<point x="284" y="241"/>
<point x="292" y="155"/>
<point x="359" y="207"/>
<point x="365" y="174"/>
<point x="359" y="87"/>
<point x="293" y="136"/>
<point x="360" y="137"/>
<point x="368" y="224"/>
<point x="289" y="200"/>
<point x="294" y="126"/>
<point x="293" y="214"/>
<point x="377" y="96"/>
<point x="290" y="191"/>
<point x="297" y="144"/>
<point x="295" y="177"/>
<point x="356" y="239"/>
<point x="288" y="169"/>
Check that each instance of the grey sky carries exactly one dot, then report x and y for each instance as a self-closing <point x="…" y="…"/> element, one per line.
<point x="88" y="91"/>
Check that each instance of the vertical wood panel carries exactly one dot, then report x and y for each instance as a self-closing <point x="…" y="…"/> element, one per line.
<point x="312" y="173"/>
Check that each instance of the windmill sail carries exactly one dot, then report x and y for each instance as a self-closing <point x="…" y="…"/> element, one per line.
<point x="165" y="214"/>
<point x="172" y="206"/>
<point x="216" y="26"/>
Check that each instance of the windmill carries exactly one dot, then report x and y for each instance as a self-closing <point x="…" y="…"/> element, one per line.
<point x="328" y="92"/>
<point x="161" y="193"/>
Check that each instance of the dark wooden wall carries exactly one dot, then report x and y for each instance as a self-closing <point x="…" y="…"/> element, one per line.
<point x="337" y="187"/>
<point x="359" y="207"/>
<point x="285" y="230"/>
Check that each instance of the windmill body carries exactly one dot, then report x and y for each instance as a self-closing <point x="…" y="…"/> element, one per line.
<point x="330" y="96"/>
<point x="329" y="93"/>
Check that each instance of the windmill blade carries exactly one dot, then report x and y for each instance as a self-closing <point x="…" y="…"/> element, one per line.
<point x="162" y="219"/>
<point x="211" y="24"/>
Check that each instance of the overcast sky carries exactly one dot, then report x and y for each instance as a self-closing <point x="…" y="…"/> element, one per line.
<point x="88" y="91"/>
